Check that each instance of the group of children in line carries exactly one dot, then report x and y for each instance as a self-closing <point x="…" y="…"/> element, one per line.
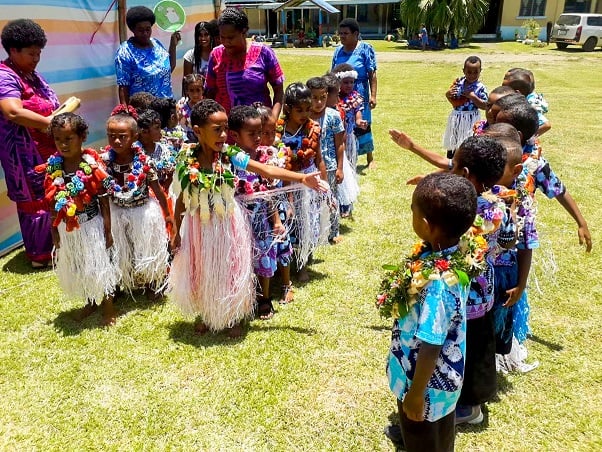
<point x="203" y="206"/>
<point x="451" y="334"/>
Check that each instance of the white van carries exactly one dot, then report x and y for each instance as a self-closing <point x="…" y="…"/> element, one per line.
<point x="578" y="29"/>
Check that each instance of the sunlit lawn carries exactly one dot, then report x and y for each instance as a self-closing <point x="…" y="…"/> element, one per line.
<point x="313" y="377"/>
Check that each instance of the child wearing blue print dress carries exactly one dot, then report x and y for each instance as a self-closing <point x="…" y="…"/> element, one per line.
<point x="467" y="95"/>
<point x="425" y="366"/>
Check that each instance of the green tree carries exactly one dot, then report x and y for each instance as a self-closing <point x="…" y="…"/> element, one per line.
<point x="461" y="17"/>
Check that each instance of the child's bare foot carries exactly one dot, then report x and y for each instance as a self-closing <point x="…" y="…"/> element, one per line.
<point x="302" y="275"/>
<point x="109" y="314"/>
<point x="200" y="328"/>
<point x="371" y="164"/>
<point x="265" y="310"/>
<point x="235" y="332"/>
<point x="84" y="312"/>
<point x="288" y="294"/>
<point x="335" y="240"/>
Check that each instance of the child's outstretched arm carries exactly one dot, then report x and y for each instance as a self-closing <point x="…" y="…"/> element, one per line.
<point x="311" y="180"/>
<point x="525" y="257"/>
<point x="413" y="403"/>
<point x="569" y="204"/>
<point x="405" y="141"/>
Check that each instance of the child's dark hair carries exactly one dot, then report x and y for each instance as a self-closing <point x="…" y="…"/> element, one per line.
<point x="502" y="90"/>
<point x="141" y="101"/>
<point x="77" y="123"/>
<point x="296" y="94"/>
<point x="239" y="114"/>
<point x="520" y="81"/>
<point x="147" y="118"/>
<point x="192" y="78"/>
<point x="317" y="83"/>
<point x="333" y="84"/>
<point x="166" y="107"/>
<point x="520" y="114"/>
<point x="447" y="201"/>
<point x="264" y="111"/>
<point x="473" y="59"/>
<point x="235" y="17"/>
<point x="502" y="130"/>
<point x="202" y="110"/>
<point x="484" y="158"/>
<point x="514" y="150"/>
<point x="124" y="113"/>
<point x="343" y="67"/>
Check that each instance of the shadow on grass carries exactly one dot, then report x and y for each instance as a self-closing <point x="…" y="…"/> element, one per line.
<point x="68" y="325"/>
<point x="550" y="345"/>
<point x="344" y="228"/>
<point x="503" y="386"/>
<point x="380" y="327"/>
<point x="20" y="265"/>
<point x="183" y="332"/>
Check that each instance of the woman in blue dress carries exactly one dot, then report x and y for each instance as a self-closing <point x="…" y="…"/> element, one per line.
<point x="361" y="56"/>
<point x="142" y="64"/>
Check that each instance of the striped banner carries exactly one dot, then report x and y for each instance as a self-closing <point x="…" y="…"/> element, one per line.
<point x="76" y="65"/>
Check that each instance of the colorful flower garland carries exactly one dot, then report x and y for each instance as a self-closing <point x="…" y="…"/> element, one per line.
<point x="190" y="174"/>
<point x="71" y="197"/>
<point x="401" y="286"/>
<point x="304" y="157"/>
<point x="134" y="181"/>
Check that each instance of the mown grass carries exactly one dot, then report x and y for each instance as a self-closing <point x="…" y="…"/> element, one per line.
<point x="313" y="377"/>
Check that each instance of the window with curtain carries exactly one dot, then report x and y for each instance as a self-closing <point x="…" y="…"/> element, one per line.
<point x="532" y="8"/>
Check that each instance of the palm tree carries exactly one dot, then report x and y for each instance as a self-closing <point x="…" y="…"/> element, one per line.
<point x="461" y="17"/>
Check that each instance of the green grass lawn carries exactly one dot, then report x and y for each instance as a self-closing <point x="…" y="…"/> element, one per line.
<point x="312" y="378"/>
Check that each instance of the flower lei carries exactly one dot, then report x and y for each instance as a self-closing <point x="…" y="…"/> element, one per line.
<point x="490" y="216"/>
<point x="302" y="158"/>
<point x="268" y="155"/>
<point x="190" y="174"/>
<point x="71" y="197"/>
<point x="402" y="285"/>
<point x="134" y="181"/>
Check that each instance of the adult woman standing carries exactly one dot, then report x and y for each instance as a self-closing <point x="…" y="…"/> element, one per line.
<point x="361" y="56"/>
<point x="239" y="74"/>
<point x="26" y="103"/>
<point x="197" y="58"/>
<point x="141" y="62"/>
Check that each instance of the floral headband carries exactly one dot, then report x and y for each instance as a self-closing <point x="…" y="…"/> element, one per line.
<point x="346" y="74"/>
<point x="127" y="110"/>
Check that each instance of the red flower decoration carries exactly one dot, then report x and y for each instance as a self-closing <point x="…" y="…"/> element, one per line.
<point x="442" y="265"/>
<point x="131" y="178"/>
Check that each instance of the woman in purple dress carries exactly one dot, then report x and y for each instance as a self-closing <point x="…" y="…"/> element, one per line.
<point x="239" y="74"/>
<point x="26" y="103"/>
<point x="361" y="56"/>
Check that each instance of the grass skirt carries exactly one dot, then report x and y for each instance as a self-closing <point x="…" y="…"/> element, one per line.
<point x="212" y="273"/>
<point x="349" y="189"/>
<point x="141" y="239"/>
<point x="84" y="267"/>
<point x="459" y="127"/>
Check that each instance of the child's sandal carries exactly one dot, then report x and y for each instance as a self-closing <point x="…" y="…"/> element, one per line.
<point x="288" y="294"/>
<point x="265" y="310"/>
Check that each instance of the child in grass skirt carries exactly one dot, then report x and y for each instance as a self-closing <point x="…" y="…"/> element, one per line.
<point x="139" y="221"/>
<point x="212" y="271"/>
<point x="81" y="228"/>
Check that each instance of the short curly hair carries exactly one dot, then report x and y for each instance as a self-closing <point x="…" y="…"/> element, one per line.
<point x="235" y="17"/>
<point x="76" y="122"/>
<point x="446" y="201"/>
<point x="518" y="112"/>
<point x="22" y="33"/>
<point x="166" y="107"/>
<point x="484" y="157"/>
<point x="137" y="14"/>
<point x="202" y="110"/>
<point x="147" y="118"/>
<point x="239" y="115"/>
<point x="317" y="83"/>
<point x="350" y="23"/>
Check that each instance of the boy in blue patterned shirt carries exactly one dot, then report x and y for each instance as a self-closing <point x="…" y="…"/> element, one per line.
<point x="426" y="359"/>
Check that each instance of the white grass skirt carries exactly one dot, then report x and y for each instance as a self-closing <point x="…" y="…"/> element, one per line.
<point x="459" y="127"/>
<point x="212" y="273"/>
<point x="84" y="267"/>
<point x="141" y="239"/>
<point x="349" y="189"/>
